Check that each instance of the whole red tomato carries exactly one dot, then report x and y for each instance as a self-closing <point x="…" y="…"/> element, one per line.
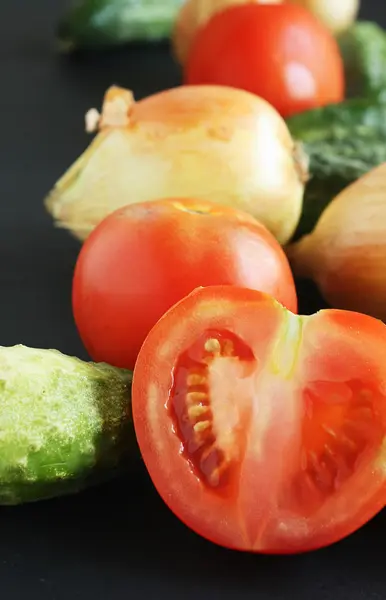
<point x="280" y="52"/>
<point x="144" y="258"/>
<point x="263" y="430"/>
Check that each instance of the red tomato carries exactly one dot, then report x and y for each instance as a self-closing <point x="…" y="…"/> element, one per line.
<point x="144" y="258"/>
<point x="264" y="430"/>
<point x="280" y="52"/>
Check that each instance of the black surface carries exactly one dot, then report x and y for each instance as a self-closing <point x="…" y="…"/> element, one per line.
<point x="119" y="541"/>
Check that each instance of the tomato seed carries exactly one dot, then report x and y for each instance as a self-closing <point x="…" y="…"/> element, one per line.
<point x="195" y="379"/>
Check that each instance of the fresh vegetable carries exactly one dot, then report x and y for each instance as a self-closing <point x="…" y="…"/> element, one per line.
<point x="337" y="15"/>
<point x="346" y="253"/>
<point x="279" y="52"/>
<point x="343" y="142"/>
<point x="363" y="48"/>
<point x="263" y="430"/>
<point x="145" y="257"/>
<point x="192" y="15"/>
<point x="93" y="24"/>
<point x="205" y="142"/>
<point x="318" y="124"/>
<point x="65" y="424"/>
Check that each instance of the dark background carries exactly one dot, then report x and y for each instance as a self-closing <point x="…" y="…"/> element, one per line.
<point x="117" y="541"/>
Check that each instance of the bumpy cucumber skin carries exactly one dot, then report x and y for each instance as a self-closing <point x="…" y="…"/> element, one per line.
<point x="64" y="424"/>
<point x="343" y="142"/>
<point x="338" y="119"/>
<point x="363" y="48"/>
<point x="93" y="24"/>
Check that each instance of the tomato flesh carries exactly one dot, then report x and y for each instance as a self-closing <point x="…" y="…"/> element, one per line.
<point x="263" y="430"/>
<point x="336" y="438"/>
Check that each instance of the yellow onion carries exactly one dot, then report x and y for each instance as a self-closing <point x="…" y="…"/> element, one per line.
<point x="346" y="253"/>
<point x="194" y="14"/>
<point x="337" y="15"/>
<point x="216" y="143"/>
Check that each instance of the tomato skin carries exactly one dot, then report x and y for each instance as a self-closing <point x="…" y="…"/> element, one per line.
<point x="281" y="53"/>
<point x="318" y="384"/>
<point x="144" y="258"/>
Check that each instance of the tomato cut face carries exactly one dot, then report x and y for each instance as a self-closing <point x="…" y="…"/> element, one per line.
<point x="263" y="430"/>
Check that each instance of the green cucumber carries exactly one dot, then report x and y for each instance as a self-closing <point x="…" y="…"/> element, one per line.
<point x="93" y="24"/>
<point x="363" y="48"/>
<point x="343" y="142"/>
<point x="337" y="119"/>
<point x="65" y="424"/>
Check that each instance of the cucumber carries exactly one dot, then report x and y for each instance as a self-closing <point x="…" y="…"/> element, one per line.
<point x="363" y="48"/>
<point x="92" y="24"/>
<point x="335" y="120"/>
<point x="343" y="141"/>
<point x="65" y="424"/>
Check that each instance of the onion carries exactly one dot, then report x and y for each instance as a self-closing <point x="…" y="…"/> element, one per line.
<point x="337" y="15"/>
<point x="346" y="253"/>
<point x="216" y="143"/>
<point x="194" y="14"/>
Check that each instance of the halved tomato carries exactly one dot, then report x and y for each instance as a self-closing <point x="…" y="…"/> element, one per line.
<point x="263" y="430"/>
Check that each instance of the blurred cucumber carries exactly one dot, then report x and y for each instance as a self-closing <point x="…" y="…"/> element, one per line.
<point x="363" y="48"/>
<point x="343" y="142"/>
<point x="335" y="120"/>
<point x="93" y="24"/>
